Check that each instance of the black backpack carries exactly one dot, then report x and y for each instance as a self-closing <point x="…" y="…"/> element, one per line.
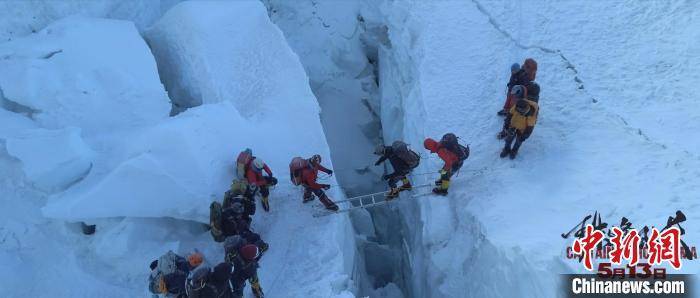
<point x="450" y="142"/>
<point x="412" y="159"/>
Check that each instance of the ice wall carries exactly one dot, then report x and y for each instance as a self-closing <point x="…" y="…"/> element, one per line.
<point x="79" y="72"/>
<point x="153" y="177"/>
<point x="450" y="64"/>
<point x="328" y="37"/>
<point x="20" y="18"/>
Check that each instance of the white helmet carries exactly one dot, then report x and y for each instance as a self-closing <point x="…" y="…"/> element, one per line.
<point x="258" y="164"/>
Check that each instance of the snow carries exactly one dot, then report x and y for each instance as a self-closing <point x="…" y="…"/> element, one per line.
<point x="21" y="18"/>
<point x="329" y="40"/>
<point x="84" y="136"/>
<point x="51" y="159"/>
<point x="73" y="74"/>
<point x="152" y="193"/>
<point x="195" y="53"/>
<point x="499" y="228"/>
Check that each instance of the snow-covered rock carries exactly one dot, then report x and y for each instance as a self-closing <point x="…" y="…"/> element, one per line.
<point x="51" y="159"/>
<point x="95" y="74"/>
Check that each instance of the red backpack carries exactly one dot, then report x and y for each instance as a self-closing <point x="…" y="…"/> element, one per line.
<point x="244" y="158"/>
<point x="295" y="168"/>
<point x="530" y="68"/>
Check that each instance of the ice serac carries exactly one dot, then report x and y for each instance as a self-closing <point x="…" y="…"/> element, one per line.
<point x="255" y="95"/>
<point x="51" y="159"/>
<point x="21" y="18"/>
<point x="95" y="74"/>
<point x="207" y="56"/>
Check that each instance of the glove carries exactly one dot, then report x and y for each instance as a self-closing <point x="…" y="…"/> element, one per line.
<point x="376" y="163"/>
<point x="385" y="177"/>
<point x="273" y="181"/>
<point x="325" y="186"/>
<point x="330" y="172"/>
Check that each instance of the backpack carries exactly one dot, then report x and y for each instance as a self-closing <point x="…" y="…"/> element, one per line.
<point x="242" y="162"/>
<point x="215" y="218"/>
<point x="238" y="188"/>
<point x="530" y="68"/>
<point x="411" y="158"/>
<point x="168" y="263"/>
<point x="295" y="169"/>
<point x="449" y="141"/>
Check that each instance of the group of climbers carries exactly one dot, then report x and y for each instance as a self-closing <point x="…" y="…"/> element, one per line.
<point x="178" y="277"/>
<point x="230" y="221"/>
<point x="403" y="160"/>
<point x="521" y="107"/>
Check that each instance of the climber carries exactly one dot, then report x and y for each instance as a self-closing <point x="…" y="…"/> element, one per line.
<point x="517" y="77"/>
<point x="237" y="193"/>
<point x="518" y="125"/>
<point x="204" y="282"/>
<point x="533" y="92"/>
<point x="452" y="153"/>
<point x="256" y="181"/>
<point x="403" y="160"/>
<point x="238" y="210"/>
<point x="245" y="266"/>
<point x="234" y="220"/>
<point x="234" y="243"/>
<point x="305" y="172"/>
<point x="169" y="272"/>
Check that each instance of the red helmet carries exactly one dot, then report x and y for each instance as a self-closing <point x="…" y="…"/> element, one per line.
<point x="430" y="144"/>
<point x="249" y="252"/>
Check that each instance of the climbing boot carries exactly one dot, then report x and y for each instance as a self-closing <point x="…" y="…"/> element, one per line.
<point x="328" y="203"/>
<point x="505" y="152"/>
<point x="440" y="191"/>
<point x="513" y="153"/>
<point x="393" y="193"/>
<point x="265" y="204"/>
<point x="308" y="198"/>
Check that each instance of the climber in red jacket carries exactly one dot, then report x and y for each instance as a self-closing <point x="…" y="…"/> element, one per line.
<point x="452" y="153"/>
<point x="256" y="180"/>
<point x="311" y="187"/>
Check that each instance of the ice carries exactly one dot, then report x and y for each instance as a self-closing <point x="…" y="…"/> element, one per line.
<point x="583" y="156"/>
<point x="21" y="18"/>
<point x="51" y="159"/>
<point x="172" y="170"/>
<point x="206" y="56"/>
<point x="95" y="74"/>
<point x="617" y="134"/>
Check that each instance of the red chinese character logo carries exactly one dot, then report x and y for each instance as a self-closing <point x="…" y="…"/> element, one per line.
<point x="665" y="246"/>
<point x="627" y="247"/>
<point x="584" y="246"/>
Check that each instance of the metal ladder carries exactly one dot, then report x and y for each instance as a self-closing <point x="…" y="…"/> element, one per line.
<point x="364" y="201"/>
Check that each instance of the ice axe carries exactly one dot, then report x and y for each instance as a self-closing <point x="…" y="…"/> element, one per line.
<point x="574" y="228"/>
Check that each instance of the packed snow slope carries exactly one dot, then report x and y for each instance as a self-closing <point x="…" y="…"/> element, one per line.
<point x="144" y="178"/>
<point x="497" y="233"/>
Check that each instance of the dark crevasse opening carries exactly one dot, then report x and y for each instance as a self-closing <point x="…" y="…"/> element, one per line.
<point x="340" y="50"/>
